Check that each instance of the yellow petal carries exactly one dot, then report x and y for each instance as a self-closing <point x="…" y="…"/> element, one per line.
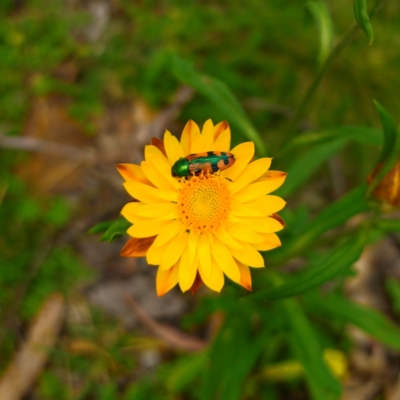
<point x="216" y="280"/>
<point x="206" y="139"/>
<point x="248" y="256"/>
<point x="222" y="235"/>
<point x="260" y="207"/>
<point x="278" y="218"/>
<point x="223" y="142"/>
<point x="243" y="153"/>
<point x="242" y="233"/>
<point x="257" y="189"/>
<point x="155" y="177"/>
<point x="129" y="211"/>
<point x="204" y="254"/>
<point x="154" y="254"/>
<point x="192" y="244"/>
<point x="157" y="160"/>
<point x="219" y="128"/>
<point x="251" y="172"/>
<point x="149" y="194"/>
<point x="263" y="224"/>
<point x="136" y="247"/>
<point x="190" y="134"/>
<point x="156" y="210"/>
<point x="153" y="154"/>
<point x="173" y="148"/>
<point x="271" y="241"/>
<point x="245" y="276"/>
<point x="172" y="229"/>
<point x="166" y="280"/>
<point x="187" y="271"/>
<point x="132" y="172"/>
<point x="275" y="179"/>
<point x="174" y="250"/>
<point x="225" y="260"/>
<point x="159" y="144"/>
<point x="147" y="228"/>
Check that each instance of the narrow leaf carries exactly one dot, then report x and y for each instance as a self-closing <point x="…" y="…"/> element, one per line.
<point x="224" y="376"/>
<point x="389" y="132"/>
<point x="332" y="216"/>
<point x="305" y="345"/>
<point x="390" y="152"/>
<point x="116" y="230"/>
<point x="101" y="227"/>
<point x="185" y="371"/>
<point x="393" y="288"/>
<point x="303" y="167"/>
<point x="367" y="319"/>
<point x="362" y="18"/>
<point x="323" y="20"/>
<point x="220" y="95"/>
<point x="334" y="264"/>
<point x="360" y="134"/>
<point x="387" y="225"/>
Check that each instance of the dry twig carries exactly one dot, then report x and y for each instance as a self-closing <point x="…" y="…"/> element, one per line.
<point x="30" y="360"/>
<point x="174" y="337"/>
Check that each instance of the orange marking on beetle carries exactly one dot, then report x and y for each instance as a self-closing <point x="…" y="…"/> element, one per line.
<point x="191" y="157"/>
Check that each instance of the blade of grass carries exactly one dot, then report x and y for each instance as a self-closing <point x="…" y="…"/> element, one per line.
<point x="390" y="152"/>
<point x="362" y="18"/>
<point x="307" y="349"/>
<point x="219" y="94"/>
<point x="303" y="167"/>
<point x="332" y="216"/>
<point x="319" y="272"/>
<point x="323" y="20"/>
<point x="367" y="319"/>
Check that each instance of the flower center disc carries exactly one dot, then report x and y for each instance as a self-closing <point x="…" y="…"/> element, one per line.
<point x="204" y="203"/>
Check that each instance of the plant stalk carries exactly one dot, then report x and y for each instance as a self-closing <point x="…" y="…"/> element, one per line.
<point x="337" y="49"/>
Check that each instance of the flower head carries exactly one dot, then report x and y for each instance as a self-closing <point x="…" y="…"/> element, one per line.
<point x="388" y="189"/>
<point x="199" y="228"/>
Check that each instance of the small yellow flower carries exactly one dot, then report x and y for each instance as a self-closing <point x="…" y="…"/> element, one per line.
<point x="200" y="228"/>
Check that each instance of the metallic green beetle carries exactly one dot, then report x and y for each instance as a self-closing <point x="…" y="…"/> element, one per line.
<point x="195" y="164"/>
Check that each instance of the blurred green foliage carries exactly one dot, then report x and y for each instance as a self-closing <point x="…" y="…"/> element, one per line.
<point x="250" y="65"/>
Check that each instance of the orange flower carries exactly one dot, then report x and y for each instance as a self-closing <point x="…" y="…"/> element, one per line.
<point x="388" y="189"/>
<point x="200" y="228"/>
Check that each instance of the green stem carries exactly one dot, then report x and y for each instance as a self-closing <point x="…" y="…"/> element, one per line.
<point x="337" y="49"/>
<point x="340" y="45"/>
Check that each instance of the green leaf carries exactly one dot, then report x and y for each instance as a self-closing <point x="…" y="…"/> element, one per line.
<point x="323" y="20"/>
<point x="362" y="18"/>
<point x="390" y="152"/>
<point x="303" y="167"/>
<point x="389" y="133"/>
<point x="326" y="144"/>
<point x="334" y="264"/>
<point x="332" y="216"/>
<point x="387" y="225"/>
<point x="232" y="355"/>
<point x="101" y="227"/>
<point x="108" y="391"/>
<point x="185" y="371"/>
<point x="117" y="229"/>
<point x="360" y="134"/>
<point x="393" y="288"/>
<point x="142" y="389"/>
<point x="367" y="319"/>
<point x="309" y="352"/>
<point x="220" y="95"/>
